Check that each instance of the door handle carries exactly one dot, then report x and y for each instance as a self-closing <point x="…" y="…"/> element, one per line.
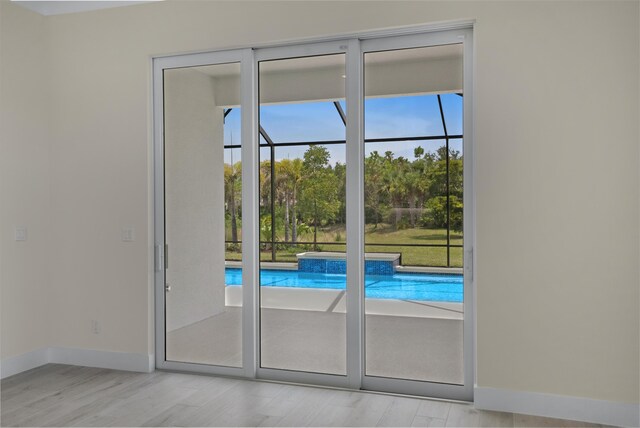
<point x="162" y="257"/>
<point x="167" y="287"/>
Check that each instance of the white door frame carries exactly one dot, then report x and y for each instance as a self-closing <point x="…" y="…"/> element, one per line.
<point x="354" y="46"/>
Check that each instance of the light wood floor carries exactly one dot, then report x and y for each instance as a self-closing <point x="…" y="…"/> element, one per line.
<point x="61" y="395"/>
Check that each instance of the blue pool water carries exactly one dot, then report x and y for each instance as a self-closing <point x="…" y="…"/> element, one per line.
<point x="407" y="286"/>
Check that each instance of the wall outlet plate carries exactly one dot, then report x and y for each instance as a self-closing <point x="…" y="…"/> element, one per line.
<point x="20" y="233"/>
<point x="128" y="234"/>
<point x="95" y="327"/>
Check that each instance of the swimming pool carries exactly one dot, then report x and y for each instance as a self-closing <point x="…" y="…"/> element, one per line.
<point x="403" y="286"/>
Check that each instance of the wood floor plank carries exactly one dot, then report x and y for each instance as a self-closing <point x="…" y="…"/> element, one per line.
<point x="66" y="413"/>
<point x="434" y="409"/>
<point x="15" y="416"/>
<point x="22" y="397"/>
<point x="23" y="378"/>
<point x="463" y="415"/>
<point x="426" y="421"/>
<point x="82" y="388"/>
<point x="538" y="421"/>
<point x="370" y="410"/>
<point x="237" y="399"/>
<point x="331" y="415"/>
<point x="353" y="409"/>
<point x="310" y="403"/>
<point x="401" y="413"/>
<point x="171" y="416"/>
<point x="496" y="419"/>
<point x="96" y="420"/>
<point x="211" y="391"/>
<point x="148" y="403"/>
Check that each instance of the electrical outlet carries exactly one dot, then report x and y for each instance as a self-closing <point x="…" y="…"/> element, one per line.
<point x="20" y="233"/>
<point x="95" y="327"/>
<point x="128" y="234"/>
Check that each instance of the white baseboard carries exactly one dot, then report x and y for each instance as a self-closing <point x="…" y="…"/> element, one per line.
<point x="103" y="359"/>
<point x="21" y="363"/>
<point x="78" y="357"/>
<point x="558" y="406"/>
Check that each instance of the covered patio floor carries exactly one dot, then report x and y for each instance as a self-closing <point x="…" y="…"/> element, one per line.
<point x="301" y="331"/>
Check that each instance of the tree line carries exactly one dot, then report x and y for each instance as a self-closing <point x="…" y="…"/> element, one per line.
<point x="310" y="192"/>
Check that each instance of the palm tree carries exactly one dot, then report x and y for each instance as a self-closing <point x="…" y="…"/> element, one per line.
<point x="289" y="173"/>
<point x="232" y="186"/>
<point x="395" y="177"/>
<point x="374" y="177"/>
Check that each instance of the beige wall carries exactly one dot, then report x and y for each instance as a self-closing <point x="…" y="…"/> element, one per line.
<point x="25" y="192"/>
<point x="557" y="173"/>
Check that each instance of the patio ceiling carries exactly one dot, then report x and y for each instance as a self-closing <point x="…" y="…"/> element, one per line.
<point x="415" y="71"/>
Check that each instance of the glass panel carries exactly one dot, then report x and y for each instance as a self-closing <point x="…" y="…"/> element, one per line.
<point x="456" y="195"/>
<point x="413" y="255"/>
<point x="232" y="126"/>
<point x="266" y="231"/>
<point x="303" y="269"/>
<point x="293" y="122"/>
<point x="413" y="209"/>
<point x="456" y="257"/>
<point x="452" y="105"/>
<point x="405" y="198"/>
<point x="406" y="116"/>
<point x="203" y="216"/>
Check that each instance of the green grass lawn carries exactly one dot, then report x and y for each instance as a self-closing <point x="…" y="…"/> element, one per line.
<point x="383" y="234"/>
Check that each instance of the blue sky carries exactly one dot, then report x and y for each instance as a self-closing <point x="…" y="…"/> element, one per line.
<point x="384" y="117"/>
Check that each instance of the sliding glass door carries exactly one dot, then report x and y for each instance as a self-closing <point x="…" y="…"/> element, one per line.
<point x="310" y="203"/>
<point x="414" y="215"/>
<point x="302" y="214"/>
<point x="199" y="213"/>
<point x="202" y="209"/>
